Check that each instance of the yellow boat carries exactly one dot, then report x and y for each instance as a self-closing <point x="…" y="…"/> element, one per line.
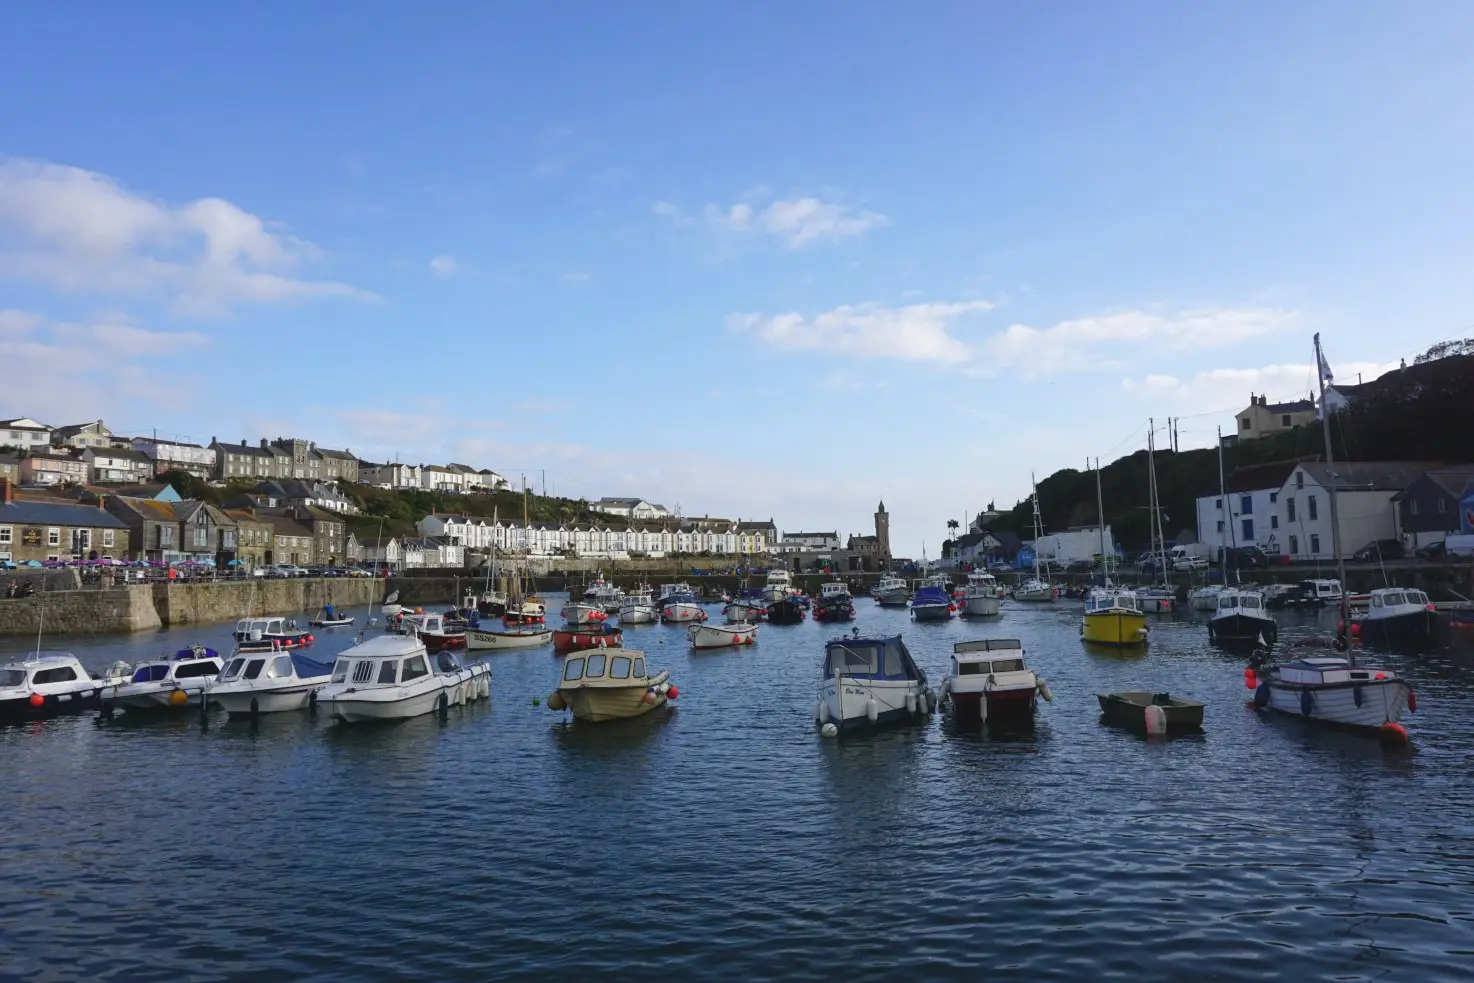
<point x="1113" y="617"/>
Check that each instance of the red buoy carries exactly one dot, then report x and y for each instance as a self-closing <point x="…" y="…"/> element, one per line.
<point x="1412" y="701"/>
<point x="672" y="693"/>
<point x="1250" y="679"/>
<point x="37" y="699"/>
<point x="1393" y="733"/>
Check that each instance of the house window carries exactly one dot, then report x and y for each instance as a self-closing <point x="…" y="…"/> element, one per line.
<point x="1220" y="525"/>
<point x="1244" y="423"/>
<point x="53" y="537"/>
<point x="1274" y="497"/>
<point x="1246" y="505"/>
<point x="1285" y="420"/>
<point x="1274" y="522"/>
<point x="1294" y="544"/>
<point x="1310" y="510"/>
<point x="1218" y="504"/>
<point x="1248" y="526"/>
<point x="1442" y="505"/>
<point x="1290" y="509"/>
<point x="201" y="536"/>
<point x="7" y="535"/>
<point x="1314" y="544"/>
<point x="1299" y="479"/>
<point x="1412" y="506"/>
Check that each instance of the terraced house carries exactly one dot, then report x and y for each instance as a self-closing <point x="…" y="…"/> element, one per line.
<point x="52" y="468"/>
<point x="53" y="529"/>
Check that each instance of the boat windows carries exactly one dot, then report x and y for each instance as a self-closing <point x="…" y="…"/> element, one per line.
<point x="1226" y="603"/>
<point x="853" y="661"/>
<point x="639" y="671"/>
<point x="1417" y="597"/>
<point x="151" y="674"/>
<point x="619" y="668"/>
<point x="61" y="674"/>
<point x="1008" y="665"/>
<point x="194" y="670"/>
<point x="364" y="672"/>
<point x="388" y="672"/>
<point x="281" y="668"/>
<point x="253" y="670"/>
<point x="573" y="670"/>
<point x="446" y="662"/>
<point x="12" y="677"/>
<point x="415" y="667"/>
<point x="1251" y="603"/>
<point x="232" y="669"/>
<point x="893" y="663"/>
<point x="1395" y="599"/>
<point x="596" y="665"/>
<point x="972" y="668"/>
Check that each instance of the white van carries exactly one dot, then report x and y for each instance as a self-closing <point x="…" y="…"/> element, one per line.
<point x="1461" y="545"/>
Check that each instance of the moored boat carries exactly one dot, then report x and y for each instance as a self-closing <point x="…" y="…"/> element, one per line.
<point x="871" y="682"/>
<point x="1325" y="686"/>
<point x="433" y="632"/>
<point x="1204" y="598"/>
<point x="1035" y="591"/>
<point x="746" y="608"/>
<point x="1397" y="617"/>
<point x="1156" y="600"/>
<point x="253" y="683"/>
<point x="46" y="684"/>
<point x="393" y="677"/>
<point x="981" y="595"/>
<point x="721" y="636"/>
<point x="1241" y="619"/>
<point x="283" y="632"/>
<point x="170" y="683"/>
<point x="779" y="585"/>
<point x="931" y="603"/>
<point x="892" y="592"/>
<point x="571" y="638"/>
<point x="834" y="603"/>
<point x="330" y="618"/>
<point x="610" y="684"/>
<point x="1113" y="617"/>
<point x="583" y="614"/>
<point x="638" y="607"/>
<point x="487" y="640"/>
<point x="990" y="682"/>
<point x="1154" y="713"/>
<point x="786" y="611"/>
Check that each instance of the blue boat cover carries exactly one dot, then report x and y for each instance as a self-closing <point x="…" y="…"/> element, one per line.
<point x="930" y="595"/>
<point x="310" y="667"/>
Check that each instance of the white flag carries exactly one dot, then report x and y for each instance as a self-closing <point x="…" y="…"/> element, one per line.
<point x="1325" y="369"/>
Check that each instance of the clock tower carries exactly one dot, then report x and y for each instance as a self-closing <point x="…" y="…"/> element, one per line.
<point x="883" y="535"/>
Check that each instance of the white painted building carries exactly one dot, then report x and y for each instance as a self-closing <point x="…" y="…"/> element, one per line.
<point x="171" y="455"/>
<point x="391" y="475"/>
<point x="25" y="433"/>
<point x="808" y="542"/>
<point x="469" y="531"/>
<point x="117" y="465"/>
<point x="1249" y="514"/>
<point x="1077" y="544"/>
<point x="630" y="508"/>
<point x="435" y="477"/>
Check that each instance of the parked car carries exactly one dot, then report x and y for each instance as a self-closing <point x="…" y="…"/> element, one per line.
<point x="1380" y="549"/>
<point x="1432" y="551"/>
<point x="1190" y="563"/>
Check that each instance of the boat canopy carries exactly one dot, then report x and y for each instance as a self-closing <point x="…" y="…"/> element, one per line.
<point x="929" y="594"/>
<point x="1105" y="601"/>
<point x="612" y="665"/>
<point x="870" y="658"/>
<point x="1229" y="600"/>
<point x="1391" y="597"/>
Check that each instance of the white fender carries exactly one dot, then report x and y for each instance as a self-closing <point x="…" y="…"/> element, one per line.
<point x="821" y="712"/>
<point x="931" y="700"/>
<point x="945" y="690"/>
<point x="983" y="708"/>
<point x="911" y="704"/>
<point x="872" y="710"/>
<point x="829" y="730"/>
<point x="1156" y="720"/>
<point x="1043" y="688"/>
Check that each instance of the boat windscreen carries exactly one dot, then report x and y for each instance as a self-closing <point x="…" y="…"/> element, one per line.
<point x="872" y="658"/>
<point x="12" y="677"/>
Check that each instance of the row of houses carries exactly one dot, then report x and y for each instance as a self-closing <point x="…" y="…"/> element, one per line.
<point x="1284" y="507"/>
<point x="656" y="537"/>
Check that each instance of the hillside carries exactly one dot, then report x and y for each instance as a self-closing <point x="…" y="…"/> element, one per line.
<point x="1421" y="412"/>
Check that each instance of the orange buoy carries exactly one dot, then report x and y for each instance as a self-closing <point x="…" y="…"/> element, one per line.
<point x="672" y="693"/>
<point x="1412" y="701"/>
<point x="37" y="699"/>
<point x="1393" y="733"/>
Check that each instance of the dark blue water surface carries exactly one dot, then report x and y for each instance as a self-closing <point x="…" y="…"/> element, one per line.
<point x="725" y="840"/>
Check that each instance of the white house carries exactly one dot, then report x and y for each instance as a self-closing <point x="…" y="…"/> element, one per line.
<point x="1251" y="515"/>
<point x="808" y="542"/>
<point x="25" y="433"/>
<point x="391" y="475"/>
<point x="172" y="455"/>
<point x="117" y="465"/>
<point x="93" y="433"/>
<point x="630" y="508"/>
<point x="469" y="531"/>
<point x="1364" y="505"/>
<point x="434" y="477"/>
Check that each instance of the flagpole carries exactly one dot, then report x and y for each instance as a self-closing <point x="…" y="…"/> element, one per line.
<point x="1322" y="373"/>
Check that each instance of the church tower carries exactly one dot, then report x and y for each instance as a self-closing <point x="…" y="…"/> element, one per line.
<point x="883" y="534"/>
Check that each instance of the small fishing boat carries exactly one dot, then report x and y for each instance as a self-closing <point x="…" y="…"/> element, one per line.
<point x="834" y="603"/>
<point x="1324" y="685"/>
<point x="603" y="595"/>
<point x="1035" y="591"/>
<point x="990" y="682"/>
<point x="46" y="685"/>
<point x="1156" y="599"/>
<point x="393" y="677"/>
<point x="281" y="631"/>
<point x="678" y="605"/>
<point x="257" y="683"/>
<point x="638" y="607"/>
<point x="892" y="592"/>
<point x="329" y="618"/>
<point x="931" y="603"/>
<point x="786" y="611"/>
<point x="1241" y="619"/>
<point x="528" y="610"/>
<point x="486" y="640"/>
<point x="870" y="682"/>
<point x="170" y="683"/>
<point x="610" y="684"/>
<point x="433" y="632"/>
<point x="583" y="614"/>
<point x="1113" y="617"/>
<point x="1397" y="617"/>
<point x="747" y="607"/>
<point x="1155" y="713"/>
<point x="571" y="638"/>
<point x="981" y="595"/>
<point x="721" y="636"/>
<point x="779" y="585"/>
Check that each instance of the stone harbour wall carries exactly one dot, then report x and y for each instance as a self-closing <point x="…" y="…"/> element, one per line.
<point x="148" y="607"/>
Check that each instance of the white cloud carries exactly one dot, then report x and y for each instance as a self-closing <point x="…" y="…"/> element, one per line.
<point x="797" y="223"/>
<point x="76" y="370"/>
<point x="918" y="332"/>
<point x="1110" y="338"/>
<point x="445" y="266"/>
<point x="1227" y="391"/>
<point x="80" y="231"/>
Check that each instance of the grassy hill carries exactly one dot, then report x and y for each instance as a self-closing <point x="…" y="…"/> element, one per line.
<point x="1420" y="413"/>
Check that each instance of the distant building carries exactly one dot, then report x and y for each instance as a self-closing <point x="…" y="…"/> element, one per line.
<point x="24" y="433"/>
<point x="56" y="529"/>
<point x="1263" y="418"/>
<point x="117" y="465"/>
<point x="390" y="476"/>
<point x="84" y="435"/>
<point x="804" y="542"/>
<point x="630" y="508"/>
<point x="173" y="455"/>
<point x="52" y="468"/>
<point x="1249" y="514"/>
<point x="1428" y="509"/>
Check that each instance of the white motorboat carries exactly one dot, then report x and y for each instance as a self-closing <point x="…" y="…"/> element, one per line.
<point x="871" y="682"/>
<point x="1156" y="600"/>
<point x="638" y="607"/>
<point x="746" y="608"/>
<point x="1035" y="591"/>
<point x="779" y="585"/>
<point x="1242" y="619"/>
<point x="990" y="681"/>
<point x="980" y="596"/>
<point x="484" y="640"/>
<point x="1397" y="617"/>
<point x="45" y="685"/>
<point x="603" y="595"/>
<point x="720" y="636"/>
<point x="681" y="612"/>
<point x="583" y="614"/>
<point x="254" y="683"/>
<point x="931" y="603"/>
<point x="1328" y="591"/>
<point x="892" y="592"/>
<point x="171" y="683"/>
<point x="268" y="634"/>
<point x="1204" y="598"/>
<point x="1330" y="689"/>
<point x="392" y="677"/>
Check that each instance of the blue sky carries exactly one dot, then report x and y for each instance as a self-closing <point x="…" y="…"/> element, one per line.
<point x="758" y="260"/>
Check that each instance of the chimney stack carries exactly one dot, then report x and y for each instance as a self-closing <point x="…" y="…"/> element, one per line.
<point x="8" y="494"/>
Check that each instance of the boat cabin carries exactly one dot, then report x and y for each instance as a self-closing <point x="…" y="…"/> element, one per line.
<point x="668" y="590"/>
<point x="389" y="660"/>
<point x="870" y="658"/>
<point x="42" y="672"/>
<point x="190" y="663"/>
<point x="988" y="656"/>
<point x="608" y="666"/>
<point x="1318" y="670"/>
<point x="779" y="578"/>
<point x="1325" y="590"/>
<point x="257" y="628"/>
<point x="1108" y="601"/>
<point x="257" y="667"/>
<point x="1245" y="602"/>
<point x="834" y="589"/>
<point x="425" y="624"/>
<point x="890" y="582"/>
<point x="982" y="577"/>
<point x="1388" y="601"/>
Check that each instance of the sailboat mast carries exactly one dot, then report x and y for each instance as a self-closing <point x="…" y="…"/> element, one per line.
<point x="1223" y="507"/>
<point x="1154" y="528"/>
<point x="1325" y="422"/>
<point x="1038" y="528"/>
<point x="1105" y="564"/>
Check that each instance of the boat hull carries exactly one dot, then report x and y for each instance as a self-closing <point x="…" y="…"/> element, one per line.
<point x="150" y="697"/>
<point x="1041" y="595"/>
<point x="1132" y="714"/>
<point x="682" y="612"/>
<point x="639" y="614"/>
<point x="19" y="707"/>
<point x="786" y="612"/>
<point x="297" y="696"/>
<point x="574" y="640"/>
<point x="402" y="703"/>
<point x="845" y="703"/>
<point x="931" y="612"/>
<point x="1156" y="603"/>
<point x="1382" y="701"/>
<point x="721" y="636"/>
<point x="1003" y="705"/>
<point x="1402" y="631"/>
<point x="1119" y="628"/>
<point x="490" y="641"/>
<point x="898" y="598"/>
<point x="583" y="614"/>
<point x="602" y="704"/>
<point x="1238" y="629"/>
<point x="980" y="606"/>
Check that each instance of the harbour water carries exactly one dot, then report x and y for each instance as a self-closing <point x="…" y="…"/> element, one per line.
<point x="725" y="840"/>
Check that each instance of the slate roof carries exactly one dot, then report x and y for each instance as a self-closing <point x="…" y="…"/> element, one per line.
<point x="22" y="512"/>
<point x="1391" y="476"/>
<point x="1255" y="477"/>
<point x="1298" y="406"/>
<point x="1455" y="479"/>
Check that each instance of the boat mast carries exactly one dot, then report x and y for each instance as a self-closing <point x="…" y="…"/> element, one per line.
<point x="1227" y="516"/>
<point x="1325" y="422"/>
<point x="1038" y="529"/>
<point x="1105" y="563"/>
<point x="1154" y="527"/>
